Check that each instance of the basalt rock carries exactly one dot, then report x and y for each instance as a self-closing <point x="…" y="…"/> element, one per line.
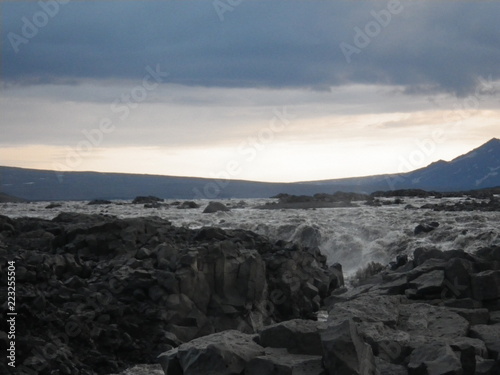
<point x="96" y="294"/>
<point x="215" y="207"/>
<point x="146" y="199"/>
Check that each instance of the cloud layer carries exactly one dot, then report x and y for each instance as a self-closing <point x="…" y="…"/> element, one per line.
<point x="433" y="46"/>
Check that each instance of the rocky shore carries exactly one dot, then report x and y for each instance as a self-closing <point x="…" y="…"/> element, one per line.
<point x="97" y="295"/>
<point x="474" y="200"/>
<point x="436" y="314"/>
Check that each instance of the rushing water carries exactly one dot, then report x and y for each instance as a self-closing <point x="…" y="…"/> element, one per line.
<point x="351" y="236"/>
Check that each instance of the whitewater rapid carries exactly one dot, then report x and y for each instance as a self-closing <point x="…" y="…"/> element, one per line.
<point x="350" y="236"/>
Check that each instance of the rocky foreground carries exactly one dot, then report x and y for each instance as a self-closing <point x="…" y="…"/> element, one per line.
<point x="437" y="314"/>
<point x="97" y="294"/>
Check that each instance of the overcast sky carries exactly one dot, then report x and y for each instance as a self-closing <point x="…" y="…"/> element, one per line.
<point x="260" y="90"/>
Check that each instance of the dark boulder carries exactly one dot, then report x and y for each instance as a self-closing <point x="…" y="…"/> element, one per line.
<point x="223" y="353"/>
<point x="297" y="336"/>
<point x="188" y="205"/>
<point x="425" y="227"/>
<point x="146" y="199"/>
<point x="99" y="202"/>
<point x="215" y="207"/>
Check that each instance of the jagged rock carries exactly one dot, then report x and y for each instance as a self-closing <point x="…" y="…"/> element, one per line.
<point x="425" y="228"/>
<point x="401" y="260"/>
<point x="297" y="336"/>
<point x="421" y="319"/>
<point x="434" y="359"/>
<point x="387" y="368"/>
<point x="486" y="366"/>
<point x="146" y="199"/>
<point x="458" y="275"/>
<point x="53" y="205"/>
<point x="98" y="202"/>
<point x="280" y="362"/>
<point x="421" y="254"/>
<point x="486" y="285"/>
<point x="494" y="317"/>
<point x="142" y="370"/>
<point x="345" y="352"/>
<point x="490" y="334"/>
<point x="143" y="253"/>
<point x="188" y="205"/>
<point x="427" y="266"/>
<point x="154" y="205"/>
<point x="124" y="290"/>
<point x="215" y="207"/>
<point x="428" y="283"/>
<point x="223" y="353"/>
<point x="489" y="253"/>
<point x="368" y="308"/>
<point x="473" y="316"/>
<point x="169" y="362"/>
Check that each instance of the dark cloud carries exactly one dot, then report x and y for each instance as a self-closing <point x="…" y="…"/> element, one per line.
<point x="444" y="46"/>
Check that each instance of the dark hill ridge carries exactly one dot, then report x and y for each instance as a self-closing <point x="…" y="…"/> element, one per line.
<point x="477" y="169"/>
<point x="5" y="198"/>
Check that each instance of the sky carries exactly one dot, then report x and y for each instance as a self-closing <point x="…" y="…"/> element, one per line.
<point x="256" y="90"/>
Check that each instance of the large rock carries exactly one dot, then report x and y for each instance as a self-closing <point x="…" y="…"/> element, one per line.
<point x="429" y="283"/>
<point x="125" y="290"/>
<point x="280" y="362"/>
<point x="490" y="334"/>
<point x="297" y="336"/>
<point x="421" y="319"/>
<point x="146" y="200"/>
<point x="215" y="207"/>
<point x="425" y="227"/>
<point x="223" y="353"/>
<point x="434" y="359"/>
<point x="188" y="205"/>
<point x="486" y="285"/>
<point x="345" y="352"/>
<point x="368" y="308"/>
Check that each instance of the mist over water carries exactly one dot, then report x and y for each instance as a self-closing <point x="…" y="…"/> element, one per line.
<point x="350" y="236"/>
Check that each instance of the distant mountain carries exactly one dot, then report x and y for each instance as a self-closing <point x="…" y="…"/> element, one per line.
<point x="477" y="169"/>
<point x="5" y="198"/>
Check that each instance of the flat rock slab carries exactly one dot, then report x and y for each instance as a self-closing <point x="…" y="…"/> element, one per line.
<point x="280" y="362"/>
<point x="434" y="359"/>
<point x="143" y="370"/>
<point x="222" y="353"/>
<point x="368" y="308"/>
<point x="490" y="334"/>
<point x="421" y="319"/>
<point x="428" y="283"/>
<point x="297" y="336"/>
